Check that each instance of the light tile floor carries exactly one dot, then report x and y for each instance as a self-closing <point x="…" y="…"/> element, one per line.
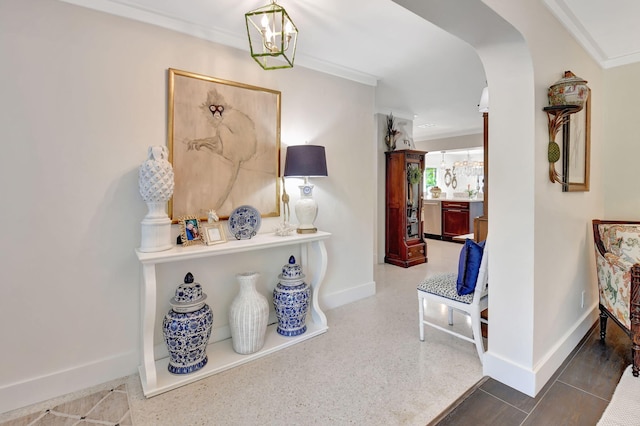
<point x="369" y="368"/>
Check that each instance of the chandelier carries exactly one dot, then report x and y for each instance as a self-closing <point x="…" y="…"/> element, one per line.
<point x="443" y="165"/>
<point x="470" y="168"/>
<point x="272" y="36"/>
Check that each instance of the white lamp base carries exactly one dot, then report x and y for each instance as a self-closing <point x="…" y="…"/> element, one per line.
<point x="307" y="230"/>
<point x="306" y="210"/>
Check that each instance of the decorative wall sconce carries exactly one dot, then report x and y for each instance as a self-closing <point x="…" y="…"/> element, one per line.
<point x="272" y="36"/>
<point x="484" y="101"/>
<point x="450" y="178"/>
<point x="569" y="110"/>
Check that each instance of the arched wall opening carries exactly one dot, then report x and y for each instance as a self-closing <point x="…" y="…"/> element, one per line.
<point x="510" y="77"/>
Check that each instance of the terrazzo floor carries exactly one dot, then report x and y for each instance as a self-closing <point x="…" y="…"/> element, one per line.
<point x="369" y="368"/>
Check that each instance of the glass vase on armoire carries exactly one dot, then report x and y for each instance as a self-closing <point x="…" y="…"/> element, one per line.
<point x="404" y="239"/>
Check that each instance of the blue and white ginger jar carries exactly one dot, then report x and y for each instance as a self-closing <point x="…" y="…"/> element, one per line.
<point x="291" y="299"/>
<point x="187" y="328"/>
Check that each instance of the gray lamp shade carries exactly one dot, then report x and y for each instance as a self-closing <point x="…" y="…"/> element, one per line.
<point x="305" y="161"/>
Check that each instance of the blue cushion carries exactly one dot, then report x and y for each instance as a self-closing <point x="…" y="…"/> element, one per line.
<point x="469" y="266"/>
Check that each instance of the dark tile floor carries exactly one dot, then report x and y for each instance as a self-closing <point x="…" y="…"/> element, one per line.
<point x="577" y="394"/>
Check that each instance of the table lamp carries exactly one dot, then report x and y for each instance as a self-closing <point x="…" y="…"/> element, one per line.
<point x="305" y="161"/>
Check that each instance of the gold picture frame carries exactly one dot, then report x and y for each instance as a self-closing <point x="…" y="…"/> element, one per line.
<point x="213" y="234"/>
<point x="576" y="148"/>
<point x="190" y="230"/>
<point x="224" y="145"/>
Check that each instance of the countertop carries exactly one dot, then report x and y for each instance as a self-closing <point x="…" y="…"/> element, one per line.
<point x="467" y="200"/>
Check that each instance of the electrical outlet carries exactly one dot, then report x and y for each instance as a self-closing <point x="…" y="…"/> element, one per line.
<point x="582" y="300"/>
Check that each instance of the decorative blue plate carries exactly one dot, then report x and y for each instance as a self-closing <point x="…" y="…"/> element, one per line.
<point x="244" y="222"/>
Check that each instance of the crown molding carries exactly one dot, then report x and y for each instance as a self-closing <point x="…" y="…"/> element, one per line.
<point x="568" y="19"/>
<point x="153" y="17"/>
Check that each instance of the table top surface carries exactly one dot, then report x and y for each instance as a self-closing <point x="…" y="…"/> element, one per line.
<point x="458" y="199"/>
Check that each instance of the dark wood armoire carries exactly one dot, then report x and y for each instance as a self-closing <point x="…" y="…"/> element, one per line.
<point x="404" y="242"/>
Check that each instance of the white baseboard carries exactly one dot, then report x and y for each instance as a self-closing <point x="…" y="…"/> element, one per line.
<point x="531" y="380"/>
<point x="553" y="359"/>
<point x="344" y="297"/>
<point x="509" y="373"/>
<point x="37" y="389"/>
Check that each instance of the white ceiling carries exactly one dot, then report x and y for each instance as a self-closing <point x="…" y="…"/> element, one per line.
<point x="608" y="29"/>
<point x="421" y="72"/>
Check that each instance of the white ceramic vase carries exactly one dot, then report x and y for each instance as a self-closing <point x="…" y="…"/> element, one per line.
<point x="187" y="328"/>
<point x="291" y="299"/>
<point x="248" y="316"/>
<point x="155" y="179"/>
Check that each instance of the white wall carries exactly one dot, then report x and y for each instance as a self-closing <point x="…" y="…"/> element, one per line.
<point x="83" y="96"/>
<point x="455" y="142"/>
<point x="563" y="256"/>
<point x="541" y="252"/>
<point x="621" y="144"/>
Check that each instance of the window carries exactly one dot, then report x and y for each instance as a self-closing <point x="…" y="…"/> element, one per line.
<point x="430" y="174"/>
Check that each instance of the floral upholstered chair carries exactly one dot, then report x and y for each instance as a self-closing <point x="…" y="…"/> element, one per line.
<point x="617" y="247"/>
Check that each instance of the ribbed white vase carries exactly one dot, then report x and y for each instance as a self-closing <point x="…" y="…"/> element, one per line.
<point x="248" y="316"/>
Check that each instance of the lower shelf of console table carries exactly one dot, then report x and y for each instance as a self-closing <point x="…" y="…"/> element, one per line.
<point x="154" y="374"/>
<point x="222" y="357"/>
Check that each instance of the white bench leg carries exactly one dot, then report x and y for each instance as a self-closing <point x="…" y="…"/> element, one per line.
<point x="477" y="334"/>
<point x="421" y="313"/>
<point x="450" y="316"/>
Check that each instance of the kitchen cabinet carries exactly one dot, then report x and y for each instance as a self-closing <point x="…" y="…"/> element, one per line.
<point x="404" y="242"/>
<point x="432" y="217"/>
<point x="458" y="217"/>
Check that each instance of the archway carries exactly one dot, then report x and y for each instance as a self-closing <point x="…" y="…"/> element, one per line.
<point x="509" y="71"/>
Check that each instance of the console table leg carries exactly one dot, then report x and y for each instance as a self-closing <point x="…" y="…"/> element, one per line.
<point x="148" y="301"/>
<point x="318" y="268"/>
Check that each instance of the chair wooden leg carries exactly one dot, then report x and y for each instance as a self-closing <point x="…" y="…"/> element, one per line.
<point x="603" y="324"/>
<point x="635" y="352"/>
<point x="634" y="316"/>
<point x="421" y="314"/>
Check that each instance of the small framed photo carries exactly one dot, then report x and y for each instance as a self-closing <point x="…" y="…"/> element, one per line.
<point x="190" y="230"/>
<point x="213" y="234"/>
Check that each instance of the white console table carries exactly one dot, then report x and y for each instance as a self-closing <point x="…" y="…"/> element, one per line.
<point x="154" y="375"/>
